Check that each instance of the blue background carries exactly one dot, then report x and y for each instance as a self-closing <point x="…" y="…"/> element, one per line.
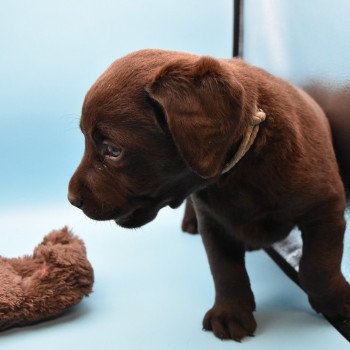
<point x="51" y="52"/>
<point x="153" y="285"/>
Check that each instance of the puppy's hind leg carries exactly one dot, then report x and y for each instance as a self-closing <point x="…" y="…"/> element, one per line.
<point x="189" y="221"/>
<point x="320" y="266"/>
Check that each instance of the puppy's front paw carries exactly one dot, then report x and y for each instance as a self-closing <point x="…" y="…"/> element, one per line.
<point x="333" y="305"/>
<point x="230" y="322"/>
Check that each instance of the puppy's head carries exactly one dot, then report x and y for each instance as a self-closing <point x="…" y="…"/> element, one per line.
<point x="157" y="126"/>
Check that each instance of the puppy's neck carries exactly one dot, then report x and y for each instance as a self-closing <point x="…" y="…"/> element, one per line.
<point x="247" y="141"/>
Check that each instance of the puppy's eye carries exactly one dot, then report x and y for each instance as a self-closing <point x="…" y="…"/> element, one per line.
<point x="110" y="150"/>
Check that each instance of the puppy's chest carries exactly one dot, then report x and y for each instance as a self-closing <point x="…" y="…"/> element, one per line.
<point x="239" y="204"/>
<point x="243" y="204"/>
<point x="248" y="213"/>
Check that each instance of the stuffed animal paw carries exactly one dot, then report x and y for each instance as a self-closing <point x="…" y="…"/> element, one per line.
<point x="56" y="277"/>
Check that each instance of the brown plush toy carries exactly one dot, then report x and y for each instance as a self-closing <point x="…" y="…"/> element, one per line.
<point x="42" y="286"/>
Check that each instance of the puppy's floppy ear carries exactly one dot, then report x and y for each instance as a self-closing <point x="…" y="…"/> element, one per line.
<point x="202" y="102"/>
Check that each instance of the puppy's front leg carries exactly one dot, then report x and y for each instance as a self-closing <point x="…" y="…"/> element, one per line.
<point x="320" y="266"/>
<point x="231" y="317"/>
<point x="189" y="221"/>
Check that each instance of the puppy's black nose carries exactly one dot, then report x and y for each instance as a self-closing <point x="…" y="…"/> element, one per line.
<point x="75" y="200"/>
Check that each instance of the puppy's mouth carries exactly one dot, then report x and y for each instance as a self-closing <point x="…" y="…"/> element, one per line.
<point x="143" y="215"/>
<point x="136" y="218"/>
<point x="135" y="214"/>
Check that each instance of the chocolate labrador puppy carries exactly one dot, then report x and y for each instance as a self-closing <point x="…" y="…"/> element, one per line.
<point x="252" y="152"/>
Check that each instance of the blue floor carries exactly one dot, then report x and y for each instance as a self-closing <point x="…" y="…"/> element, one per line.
<point x="152" y="289"/>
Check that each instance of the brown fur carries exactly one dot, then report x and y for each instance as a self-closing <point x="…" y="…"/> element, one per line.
<point x="42" y="286"/>
<point x="335" y="101"/>
<point x="178" y="119"/>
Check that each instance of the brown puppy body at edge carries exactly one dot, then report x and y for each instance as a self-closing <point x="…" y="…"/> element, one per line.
<point x="160" y="126"/>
